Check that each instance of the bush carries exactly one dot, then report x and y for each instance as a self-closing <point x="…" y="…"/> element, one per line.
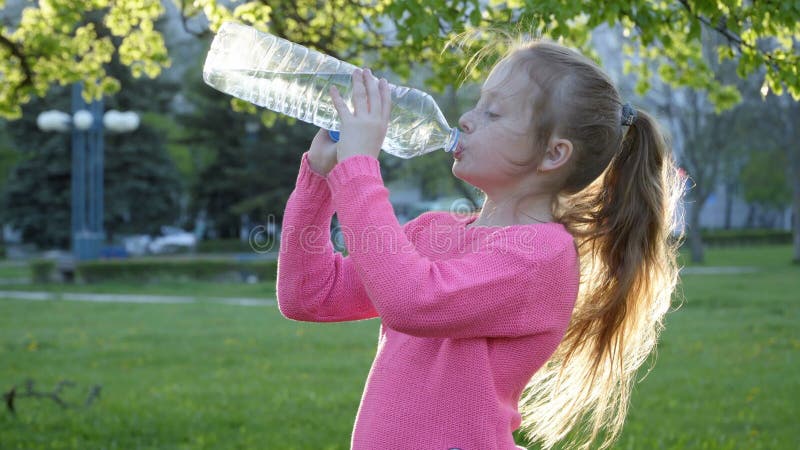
<point x="43" y="270"/>
<point x="749" y="236"/>
<point x="224" y="246"/>
<point x="154" y="270"/>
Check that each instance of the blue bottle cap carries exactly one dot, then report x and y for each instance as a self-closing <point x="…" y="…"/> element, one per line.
<point x="455" y="134"/>
<point x="334" y="135"/>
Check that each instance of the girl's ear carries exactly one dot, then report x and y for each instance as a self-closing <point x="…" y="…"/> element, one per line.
<point x="557" y="154"/>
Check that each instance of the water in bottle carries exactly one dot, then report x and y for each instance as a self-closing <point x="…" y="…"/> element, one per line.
<point x="291" y="79"/>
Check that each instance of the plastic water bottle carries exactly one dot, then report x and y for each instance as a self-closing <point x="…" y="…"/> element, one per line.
<point x="291" y="79"/>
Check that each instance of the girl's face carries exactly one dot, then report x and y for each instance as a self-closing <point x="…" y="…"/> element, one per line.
<point x="496" y="146"/>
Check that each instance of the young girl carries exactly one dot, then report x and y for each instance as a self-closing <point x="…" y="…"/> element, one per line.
<point x="537" y="311"/>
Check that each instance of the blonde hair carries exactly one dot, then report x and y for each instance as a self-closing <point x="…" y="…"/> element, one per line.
<point x="619" y="202"/>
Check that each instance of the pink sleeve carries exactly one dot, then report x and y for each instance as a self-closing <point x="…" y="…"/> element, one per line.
<point x="502" y="289"/>
<point x="315" y="283"/>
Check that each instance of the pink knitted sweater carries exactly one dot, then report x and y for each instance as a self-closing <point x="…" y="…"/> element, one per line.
<point x="467" y="314"/>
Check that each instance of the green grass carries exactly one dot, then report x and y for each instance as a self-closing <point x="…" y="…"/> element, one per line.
<point x="726" y="372"/>
<point x="193" y="289"/>
<point x="766" y="256"/>
<point x="213" y="376"/>
<point x="14" y="270"/>
<point x="181" y="376"/>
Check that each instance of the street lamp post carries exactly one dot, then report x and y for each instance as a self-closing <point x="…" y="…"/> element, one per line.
<point x="87" y="124"/>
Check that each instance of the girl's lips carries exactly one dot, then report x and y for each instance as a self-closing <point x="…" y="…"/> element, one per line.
<point x="458" y="151"/>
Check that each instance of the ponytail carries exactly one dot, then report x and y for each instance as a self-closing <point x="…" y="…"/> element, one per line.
<point x="622" y="222"/>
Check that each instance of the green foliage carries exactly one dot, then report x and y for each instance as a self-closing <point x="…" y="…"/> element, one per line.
<point x="42" y="270"/>
<point x="239" y="173"/>
<point x="154" y="270"/>
<point x="764" y="179"/>
<point x="36" y="196"/>
<point x="223" y="246"/>
<point x="54" y="43"/>
<point x="142" y="187"/>
<point x="8" y="155"/>
<point x="182" y="155"/>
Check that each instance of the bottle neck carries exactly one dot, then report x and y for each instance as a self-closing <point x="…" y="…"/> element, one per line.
<point x="452" y="141"/>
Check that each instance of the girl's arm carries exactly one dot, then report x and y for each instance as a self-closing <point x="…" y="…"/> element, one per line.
<point x="315" y="283"/>
<point x="514" y="285"/>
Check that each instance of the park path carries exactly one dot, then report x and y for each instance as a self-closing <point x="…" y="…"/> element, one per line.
<point x="718" y="270"/>
<point x="131" y="298"/>
<point x="245" y="301"/>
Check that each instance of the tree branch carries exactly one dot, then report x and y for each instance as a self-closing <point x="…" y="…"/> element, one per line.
<point x="12" y="394"/>
<point x="185" y="23"/>
<point x="730" y="36"/>
<point x="17" y="53"/>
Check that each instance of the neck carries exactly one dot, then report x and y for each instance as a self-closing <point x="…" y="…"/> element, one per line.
<point x="534" y="208"/>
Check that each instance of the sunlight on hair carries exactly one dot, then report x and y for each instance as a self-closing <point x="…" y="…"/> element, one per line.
<point x="581" y="394"/>
<point x="620" y="204"/>
<point x="487" y="45"/>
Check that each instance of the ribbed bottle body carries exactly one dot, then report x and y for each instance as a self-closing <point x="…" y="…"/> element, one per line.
<point x="291" y="79"/>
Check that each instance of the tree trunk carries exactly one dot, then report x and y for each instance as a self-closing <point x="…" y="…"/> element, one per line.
<point x="793" y="148"/>
<point x="730" y="190"/>
<point x="751" y="214"/>
<point x="796" y="213"/>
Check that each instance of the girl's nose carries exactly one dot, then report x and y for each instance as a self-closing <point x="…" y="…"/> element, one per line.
<point x="465" y="123"/>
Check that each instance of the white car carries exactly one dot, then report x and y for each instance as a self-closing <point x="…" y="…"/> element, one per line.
<point x="172" y="239"/>
<point x="137" y="244"/>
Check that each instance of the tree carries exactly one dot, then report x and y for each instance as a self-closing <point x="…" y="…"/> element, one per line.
<point x="704" y="137"/>
<point x="700" y="137"/>
<point x="771" y="174"/>
<point x="54" y="43"/>
<point x="785" y="117"/>
<point x="142" y="187"/>
<point x="36" y="196"/>
<point x="242" y="174"/>
<point x="137" y="169"/>
<point x="764" y="180"/>
<point x="8" y="155"/>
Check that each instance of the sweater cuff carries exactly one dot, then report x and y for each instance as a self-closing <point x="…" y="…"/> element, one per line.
<point x="308" y="179"/>
<point x="354" y="167"/>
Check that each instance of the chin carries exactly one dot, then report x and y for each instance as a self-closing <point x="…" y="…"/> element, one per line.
<point x="456" y="172"/>
<point x="461" y="176"/>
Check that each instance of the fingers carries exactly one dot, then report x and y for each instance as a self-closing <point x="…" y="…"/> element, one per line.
<point x="373" y="94"/>
<point x="321" y="133"/>
<point x="360" y="101"/>
<point x="367" y="93"/>
<point x="371" y="97"/>
<point x="322" y="138"/>
<point x="339" y="104"/>
<point x="386" y="99"/>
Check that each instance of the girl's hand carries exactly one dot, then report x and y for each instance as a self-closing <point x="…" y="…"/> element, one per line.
<point x="322" y="154"/>
<point x="364" y="129"/>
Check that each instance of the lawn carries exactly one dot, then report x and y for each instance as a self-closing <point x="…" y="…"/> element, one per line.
<point x="198" y="289"/>
<point x="207" y="375"/>
<point x="14" y="270"/>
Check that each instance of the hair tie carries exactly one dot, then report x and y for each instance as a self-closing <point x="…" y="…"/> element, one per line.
<point x="628" y="114"/>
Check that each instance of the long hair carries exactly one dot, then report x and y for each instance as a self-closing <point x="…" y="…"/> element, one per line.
<point x="619" y="202"/>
